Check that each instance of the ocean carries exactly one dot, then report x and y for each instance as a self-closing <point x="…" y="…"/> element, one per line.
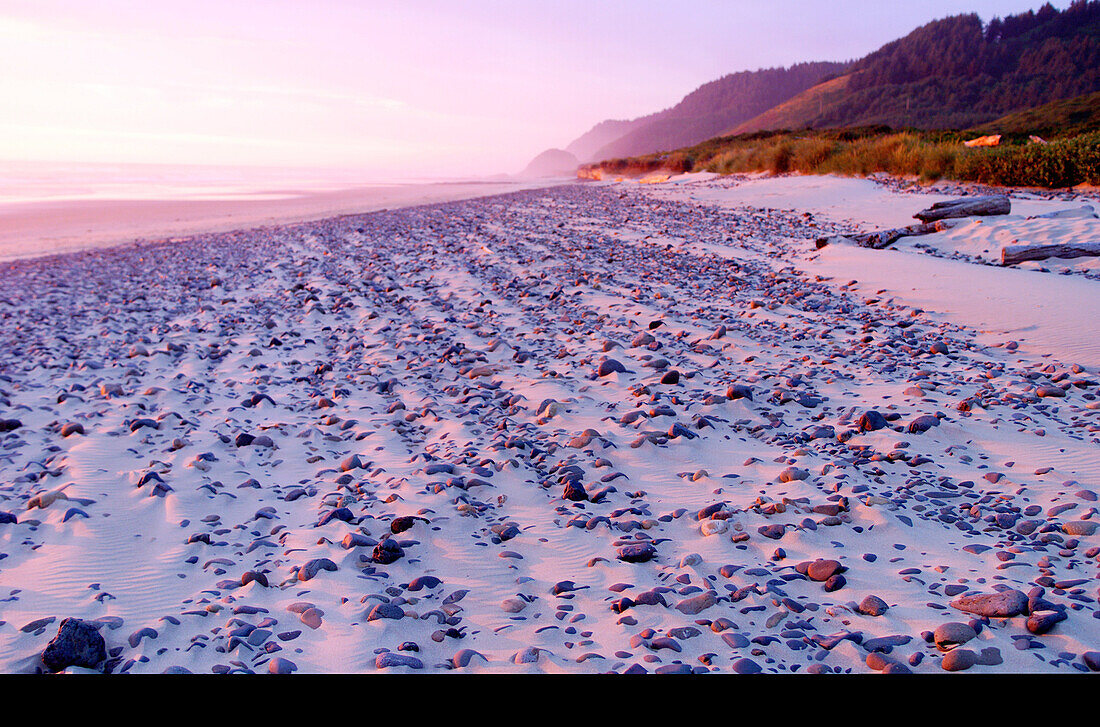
<point x="23" y="182"/>
<point x="51" y="208"/>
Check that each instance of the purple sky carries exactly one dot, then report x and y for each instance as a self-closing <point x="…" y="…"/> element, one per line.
<point x="405" y="86"/>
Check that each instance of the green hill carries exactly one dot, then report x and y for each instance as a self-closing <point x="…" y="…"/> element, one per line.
<point x="1068" y="117"/>
<point x="957" y="73"/>
<point x="708" y="110"/>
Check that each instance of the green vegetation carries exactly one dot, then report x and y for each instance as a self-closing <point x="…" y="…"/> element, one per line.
<point x="957" y="72"/>
<point x="1068" y="117"/>
<point x="928" y="155"/>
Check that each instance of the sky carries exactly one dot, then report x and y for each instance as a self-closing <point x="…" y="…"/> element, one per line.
<point x="397" y="88"/>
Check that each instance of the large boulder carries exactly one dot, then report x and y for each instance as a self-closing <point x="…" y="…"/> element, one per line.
<point x="77" y="643"/>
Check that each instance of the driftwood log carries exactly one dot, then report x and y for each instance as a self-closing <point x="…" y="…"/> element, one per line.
<point x="1012" y="254"/>
<point x="993" y="204"/>
<point x="884" y="238"/>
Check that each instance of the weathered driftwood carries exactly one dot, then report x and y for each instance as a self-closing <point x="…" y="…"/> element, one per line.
<point x="1012" y="254"/>
<point x="884" y="238"/>
<point x="878" y="239"/>
<point x="993" y="204"/>
<point x="1083" y="212"/>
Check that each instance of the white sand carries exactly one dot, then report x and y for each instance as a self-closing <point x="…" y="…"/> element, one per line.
<point x="1049" y="314"/>
<point x="861" y="201"/>
<point x="1045" y="314"/>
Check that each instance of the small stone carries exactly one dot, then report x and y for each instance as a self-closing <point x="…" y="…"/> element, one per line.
<point x="610" y="366"/>
<point x="873" y="606"/>
<point x="386" y="611"/>
<point x="871" y="421"/>
<point x="1080" y="527"/>
<point x="695" y="604"/>
<point x="465" y="656"/>
<point x="959" y="660"/>
<point x="793" y="474"/>
<point x="389" y="659"/>
<point x="950" y="635"/>
<point x="637" y="552"/>
<point x="279" y="665"/>
<point x="999" y="605"/>
<point x="315" y="566"/>
<point x="1040" y="622"/>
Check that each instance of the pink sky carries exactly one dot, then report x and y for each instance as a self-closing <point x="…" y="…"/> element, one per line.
<point x="411" y="87"/>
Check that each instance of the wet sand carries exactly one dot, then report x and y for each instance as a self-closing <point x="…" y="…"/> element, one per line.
<point x="31" y="229"/>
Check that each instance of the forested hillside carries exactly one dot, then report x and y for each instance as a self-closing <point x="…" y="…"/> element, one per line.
<point x="703" y="113"/>
<point x="957" y="72"/>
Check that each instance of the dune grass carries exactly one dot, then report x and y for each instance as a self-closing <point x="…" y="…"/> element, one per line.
<point x="928" y="155"/>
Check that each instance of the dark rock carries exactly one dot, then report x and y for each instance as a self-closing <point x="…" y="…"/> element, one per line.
<point x="77" y="643"/>
<point x="574" y="491"/>
<point x="279" y="665"/>
<point x="315" y="566"/>
<point x="775" y="531"/>
<point x="923" y="424"/>
<point x="387" y="552"/>
<point x="610" y="366"/>
<point x="873" y="606"/>
<point x="637" y="552"/>
<point x="739" y="391"/>
<point x="385" y="610"/>
<point x="871" y="421"/>
<point x="745" y="665"/>
<point x="1040" y="622"/>
<point x="388" y="659"/>
<point x="950" y="635"/>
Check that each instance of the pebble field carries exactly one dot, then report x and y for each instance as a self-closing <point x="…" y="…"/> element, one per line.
<point x="576" y="429"/>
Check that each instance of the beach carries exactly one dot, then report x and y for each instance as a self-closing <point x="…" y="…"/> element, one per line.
<point x="583" y="428"/>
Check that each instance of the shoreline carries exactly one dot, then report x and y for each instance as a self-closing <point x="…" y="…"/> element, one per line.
<point x="76" y="225"/>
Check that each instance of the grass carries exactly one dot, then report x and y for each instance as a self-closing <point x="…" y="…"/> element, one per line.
<point x="928" y="155"/>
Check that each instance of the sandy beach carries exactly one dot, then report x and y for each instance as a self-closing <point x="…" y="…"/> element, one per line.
<point x="600" y="427"/>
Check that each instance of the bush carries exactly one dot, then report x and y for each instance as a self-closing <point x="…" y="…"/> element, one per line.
<point x="1062" y="163"/>
<point x="779" y="161"/>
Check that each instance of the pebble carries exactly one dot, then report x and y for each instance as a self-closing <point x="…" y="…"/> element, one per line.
<point x="998" y="605"/>
<point x="873" y="606"/>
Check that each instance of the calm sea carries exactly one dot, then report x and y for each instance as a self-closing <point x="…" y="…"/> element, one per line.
<point x="22" y="182"/>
